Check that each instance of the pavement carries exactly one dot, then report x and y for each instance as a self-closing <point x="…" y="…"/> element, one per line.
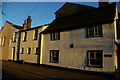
<point x="15" y="71"/>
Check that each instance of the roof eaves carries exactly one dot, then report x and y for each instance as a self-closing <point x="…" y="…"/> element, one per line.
<point x="60" y="21"/>
<point x="33" y="28"/>
<point x="15" y="26"/>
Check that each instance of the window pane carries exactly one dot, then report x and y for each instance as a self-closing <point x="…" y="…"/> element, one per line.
<point x="92" y="55"/>
<point x="54" y="54"/>
<point x="36" y="50"/>
<point x="3" y="41"/>
<point x="98" y="30"/>
<point x="90" y="31"/>
<point x="98" y="55"/>
<point x="95" y="58"/>
<point x="0" y="41"/>
<point x="55" y="36"/>
<point x="99" y="62"/>
<point x="36" y="34"/>
<point x="92" y="62"/>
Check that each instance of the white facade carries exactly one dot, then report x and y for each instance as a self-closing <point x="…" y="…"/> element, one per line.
<point x="6" y="34"/>
<point x="30" y="43"/>
<point x="13" y="45"/>
<point x="76" y="57"/>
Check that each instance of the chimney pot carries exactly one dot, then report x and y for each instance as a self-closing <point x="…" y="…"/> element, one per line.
<point x="29" y="20"/>
<point x="103" y="3"/>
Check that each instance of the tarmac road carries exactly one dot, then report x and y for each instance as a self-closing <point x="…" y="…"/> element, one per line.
<point x="16" y="74"/>
<point x="15" y="71"/>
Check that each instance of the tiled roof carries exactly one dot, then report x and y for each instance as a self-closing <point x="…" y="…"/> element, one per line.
<point x="15" y="26"/>
<point x="71" y="6"/>
<point x="33" y="28"/>
<point x="96" y="16"/>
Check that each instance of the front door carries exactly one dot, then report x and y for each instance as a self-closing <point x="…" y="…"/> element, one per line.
<point x="13" y="50"/>
<point x="118" y="57"/>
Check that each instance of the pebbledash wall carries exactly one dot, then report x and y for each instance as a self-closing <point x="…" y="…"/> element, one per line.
<point x="76" y="57"/>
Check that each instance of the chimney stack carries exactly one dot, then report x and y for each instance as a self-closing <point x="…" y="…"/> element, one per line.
<point x="103" y="3"/>
<point x="24" y="25"/>
<point x="29" y="20"/>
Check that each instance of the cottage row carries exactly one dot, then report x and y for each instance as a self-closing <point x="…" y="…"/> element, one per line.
<point x="80" y="37"/>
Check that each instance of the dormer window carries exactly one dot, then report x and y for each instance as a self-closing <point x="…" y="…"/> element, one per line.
<point x="94" y="31"/>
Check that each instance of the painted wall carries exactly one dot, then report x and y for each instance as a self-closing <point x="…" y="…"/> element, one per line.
<point x="76" y="57"/>
<point x="31" y="58"/>
<point x="6" y="32"/>
<point x="13" y="44"/>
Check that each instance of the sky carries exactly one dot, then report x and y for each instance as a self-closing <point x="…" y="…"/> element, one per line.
<point x="41" y="12"/>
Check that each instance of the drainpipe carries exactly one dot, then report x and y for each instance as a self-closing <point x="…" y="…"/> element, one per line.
<point x="18" y="46"/>
<point x="39" y="49"/>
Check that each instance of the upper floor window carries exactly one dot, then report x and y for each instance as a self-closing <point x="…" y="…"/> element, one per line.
<point x="28" y="50"/>
<point x="94" y="58"/>
<point x="55" y="36"/>
<point x="35" y="34"/>
<point x="54" y="56"/>
<point x="14" y="37"/>
<point x="95" y="31"/>
<point x="24" y="36"/>
<point x="2" y="41"/>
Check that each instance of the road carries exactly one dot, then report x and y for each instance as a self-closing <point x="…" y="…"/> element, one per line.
<point x="15" y="71"/>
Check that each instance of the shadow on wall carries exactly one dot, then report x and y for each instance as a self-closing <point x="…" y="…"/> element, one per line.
<point x="84" y="64"/>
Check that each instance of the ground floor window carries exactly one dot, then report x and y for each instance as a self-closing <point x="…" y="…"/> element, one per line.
<point x="36" y="50"/>
<point x="28" y="50"/>
<point x="21" y="50"/>
<point x="54" y="56"/>
<point x="94" y="58"/>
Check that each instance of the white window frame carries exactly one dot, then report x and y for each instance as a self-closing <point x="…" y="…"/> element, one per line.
<point x="3" y="41"/>
<point x="28" y="50"/>
<point x="21" y="50"/>
<point x="0" y="41"/>
<point x="36" y="50"/>
<point x="24" y="36"/>
<point x="55" y="36"/>
<point x="95" y="33"/>
<point x="53" y="54"/>
<point x="95" y="52"/>
<point x="14" y="37"/>
<point x="35" y="35"/>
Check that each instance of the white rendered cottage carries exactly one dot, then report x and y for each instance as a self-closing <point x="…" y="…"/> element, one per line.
<point x="86" y="40"/>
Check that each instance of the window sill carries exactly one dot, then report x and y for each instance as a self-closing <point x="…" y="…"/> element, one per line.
<point x="94" y="36"/>
<point x="36" y="54"/>
<point x="95" y="66"/>
<point x="35" y="39"/>
<point x="24" y="41"/>
<point x="55" y="40"/>
<point x="13" y="41"/>
<point x="54" y="62"/>
<point x="28" y="53"/>
<point x="21" y="53"/>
